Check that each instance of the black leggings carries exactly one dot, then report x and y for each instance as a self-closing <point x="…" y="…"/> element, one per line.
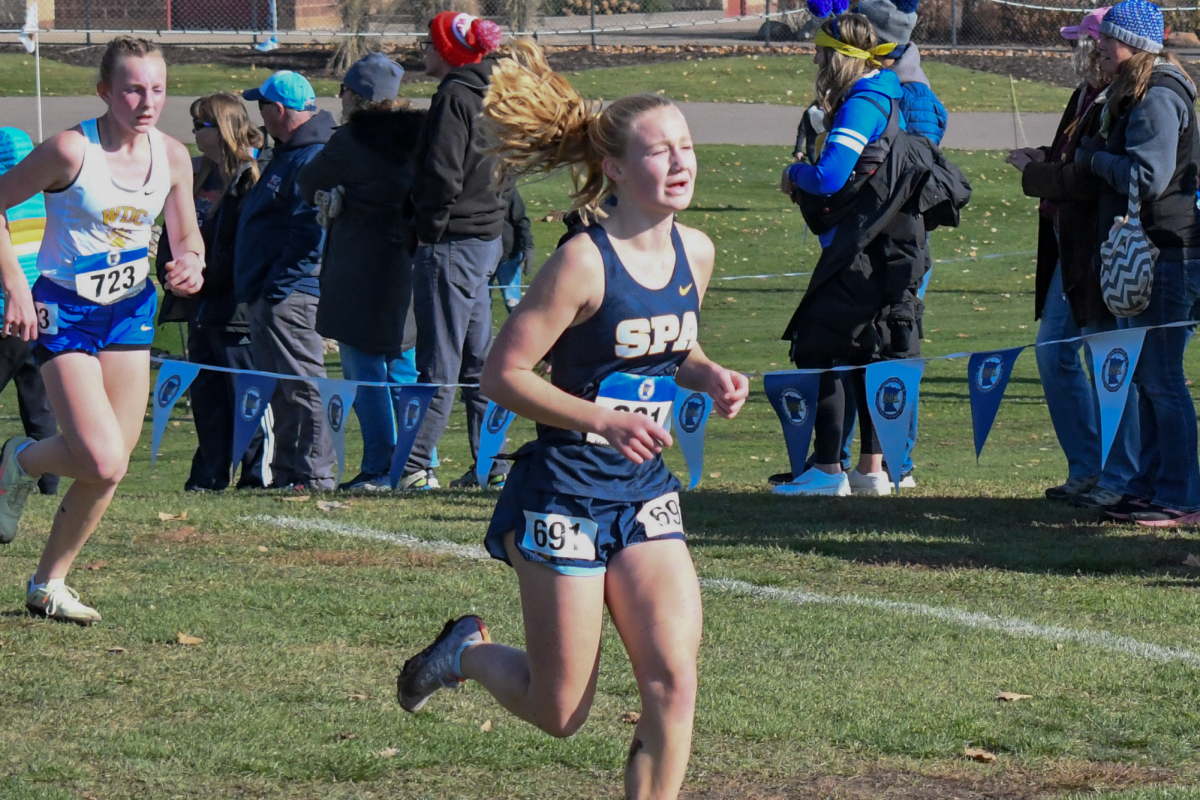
<point x="829" y="429"/>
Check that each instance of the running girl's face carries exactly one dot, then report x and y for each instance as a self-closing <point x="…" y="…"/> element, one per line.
<point x="658" y="169"/>
<point x="1113" y="53"/>
<point x="138" y="91"/>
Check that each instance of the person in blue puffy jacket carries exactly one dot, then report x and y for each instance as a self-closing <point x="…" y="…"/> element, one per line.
<point x="859" y="98"/>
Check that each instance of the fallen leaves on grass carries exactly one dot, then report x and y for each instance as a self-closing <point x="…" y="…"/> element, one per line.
<point x="631" y="717"/>
<point x="979" y="754"/>
<point x="486" y="726"/>
<point x="95" y="565"/>
<point x="388" y="753"/>
<point x="714" y="474"/>
<point x="946" y="517"/>
<point x="346" y="736"/>
<point x="357" y="696"/>
<point x="330" y="505"/>
<point x="1012" y="697"/>
<point x="117" y="650"/>
<point x="1192" y="561"/>
<point x="185" y="639"/>
<point x="300" y="498"/>
<point x="262" y="549"/>
<point x="167" y="516"/>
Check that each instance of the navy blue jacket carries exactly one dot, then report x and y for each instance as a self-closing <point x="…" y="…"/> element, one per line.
<point x="279" y="242"/>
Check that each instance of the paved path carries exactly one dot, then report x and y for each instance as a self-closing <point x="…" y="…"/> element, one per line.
<point x="711" y="123"/>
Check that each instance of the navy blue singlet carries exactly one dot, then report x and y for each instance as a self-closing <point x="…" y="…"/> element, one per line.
<point x="636" y="331"/>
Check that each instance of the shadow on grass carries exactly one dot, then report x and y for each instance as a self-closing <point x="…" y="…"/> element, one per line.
<point x="1020" y="534"/>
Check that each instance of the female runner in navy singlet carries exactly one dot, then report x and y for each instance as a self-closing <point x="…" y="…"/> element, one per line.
<point x="91" y="311"/>
<point x="590" y="514"/>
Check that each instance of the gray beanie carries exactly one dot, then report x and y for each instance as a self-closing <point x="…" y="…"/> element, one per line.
<point x="890" y="22"/>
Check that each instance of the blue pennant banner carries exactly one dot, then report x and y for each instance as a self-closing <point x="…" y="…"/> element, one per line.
<point x="691" y="417"/>
<point x="492" y="436"/>
<point x="174" y="377"/>
<point x="252" y="394"/>
<point x="1114" y="359"/>
<point x="337" y="398"/>
<point x="892" y="390"/>
<point x="988" y="375"/>
<point x="794" y="397"/>
<point x="414" y="400"/>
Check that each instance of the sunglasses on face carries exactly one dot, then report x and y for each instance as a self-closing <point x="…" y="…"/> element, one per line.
<point x="199" y="125"/>
<point x="425" y="43"/>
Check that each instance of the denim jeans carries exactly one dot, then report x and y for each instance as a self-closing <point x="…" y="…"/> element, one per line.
<point x="1169" y="472"/>
<point x="375" y="406"/>
<point x="1071" y="398"/>
<point x="508" y="277"/>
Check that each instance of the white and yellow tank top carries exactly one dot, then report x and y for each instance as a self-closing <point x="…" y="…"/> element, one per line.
<point x="97" y="233"/>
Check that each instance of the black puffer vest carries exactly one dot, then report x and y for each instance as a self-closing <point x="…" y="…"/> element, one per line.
<point x="1170" y="220"/>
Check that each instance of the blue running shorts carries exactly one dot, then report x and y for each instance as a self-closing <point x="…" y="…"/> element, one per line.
<point x="576" y="535"/>
<point x="69" y="324"/>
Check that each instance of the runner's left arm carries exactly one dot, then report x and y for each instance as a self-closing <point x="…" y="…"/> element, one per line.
<point x="727" y="388"/>
<point x="185" y="275"/>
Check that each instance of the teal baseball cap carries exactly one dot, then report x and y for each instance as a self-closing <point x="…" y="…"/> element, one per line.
<point x="290" y="89"/>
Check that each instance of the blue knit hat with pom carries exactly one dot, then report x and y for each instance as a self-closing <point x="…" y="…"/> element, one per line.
<point x="1136" y="23"/>
<point x="893" y="20"/>
<point x="827" y="8"/>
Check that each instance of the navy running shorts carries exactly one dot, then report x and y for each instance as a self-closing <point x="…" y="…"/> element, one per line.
<point x="576" y="535"/>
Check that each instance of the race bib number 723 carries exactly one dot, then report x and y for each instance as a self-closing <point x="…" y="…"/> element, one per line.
<point x="105" y="278"/>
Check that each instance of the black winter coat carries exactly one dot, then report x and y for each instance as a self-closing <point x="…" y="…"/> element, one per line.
<point x="214" y="306"/>
<point x="366" y="277"/>
<point x="861" y="304"/>
<point x="455" y="192"/>
<point x="1075" y="192"/>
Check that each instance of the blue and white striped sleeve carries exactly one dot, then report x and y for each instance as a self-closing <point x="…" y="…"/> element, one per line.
<point x="858" y="122"/>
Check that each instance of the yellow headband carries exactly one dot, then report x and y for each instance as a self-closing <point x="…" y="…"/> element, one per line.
<point x="871" y="56"/>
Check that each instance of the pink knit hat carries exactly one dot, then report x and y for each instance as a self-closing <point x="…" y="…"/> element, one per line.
<point x="1089" y="26"/>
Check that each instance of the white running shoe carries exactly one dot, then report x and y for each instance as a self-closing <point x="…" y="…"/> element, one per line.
<point x="56" y="600"/>
<point x="908" y="481"/>
<point x="814" y="482"/>
<point x="870" y="483"/>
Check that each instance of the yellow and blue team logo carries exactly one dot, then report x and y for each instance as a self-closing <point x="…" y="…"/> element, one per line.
<point x="891" y="398"/>
<point x="1115" y="370"/>
<point x="169" y="391"/>
<point x="497" y="419"/>
<point x="251" y="402"/>
<point x="795" y="407"/>
<point x="336" y="413"/>
<point x="692" y="412"/>
<point x="412" y="413"/>
<point x="989" y="374"/>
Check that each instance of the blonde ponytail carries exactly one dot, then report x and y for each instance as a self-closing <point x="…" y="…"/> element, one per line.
<point x="539" y="123"/>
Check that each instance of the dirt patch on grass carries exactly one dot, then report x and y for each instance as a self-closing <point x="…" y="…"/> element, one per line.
<point x="987" y="784"/>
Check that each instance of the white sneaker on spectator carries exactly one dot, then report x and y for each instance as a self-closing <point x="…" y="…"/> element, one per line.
<point x="872" y="483"/>
<point x="907" y="481"/>
<point x="816" y="483"/>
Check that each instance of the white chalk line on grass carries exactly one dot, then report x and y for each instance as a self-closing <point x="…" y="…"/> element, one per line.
<point x="970" y="619"/>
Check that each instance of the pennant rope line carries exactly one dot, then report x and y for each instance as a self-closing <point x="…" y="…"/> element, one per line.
<point x="965" y="354"/>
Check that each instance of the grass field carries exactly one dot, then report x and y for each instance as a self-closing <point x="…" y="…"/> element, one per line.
<point x="786" y="80"/>
<point x="853" y="647"/>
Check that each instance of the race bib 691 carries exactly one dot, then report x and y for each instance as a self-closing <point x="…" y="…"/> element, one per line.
<point x="560" y="536"/>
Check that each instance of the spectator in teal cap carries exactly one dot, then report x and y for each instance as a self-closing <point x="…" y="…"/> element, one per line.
<point x="27" y="223"/>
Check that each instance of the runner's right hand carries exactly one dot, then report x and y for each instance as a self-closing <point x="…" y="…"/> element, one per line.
<point x="635" y="436"/>
<point x="20" y="316"/>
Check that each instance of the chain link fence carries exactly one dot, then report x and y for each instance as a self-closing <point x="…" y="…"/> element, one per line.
<point x="999" y="23"/>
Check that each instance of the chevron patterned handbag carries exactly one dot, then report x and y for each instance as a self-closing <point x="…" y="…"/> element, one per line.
<point x="1127" y="261"/>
